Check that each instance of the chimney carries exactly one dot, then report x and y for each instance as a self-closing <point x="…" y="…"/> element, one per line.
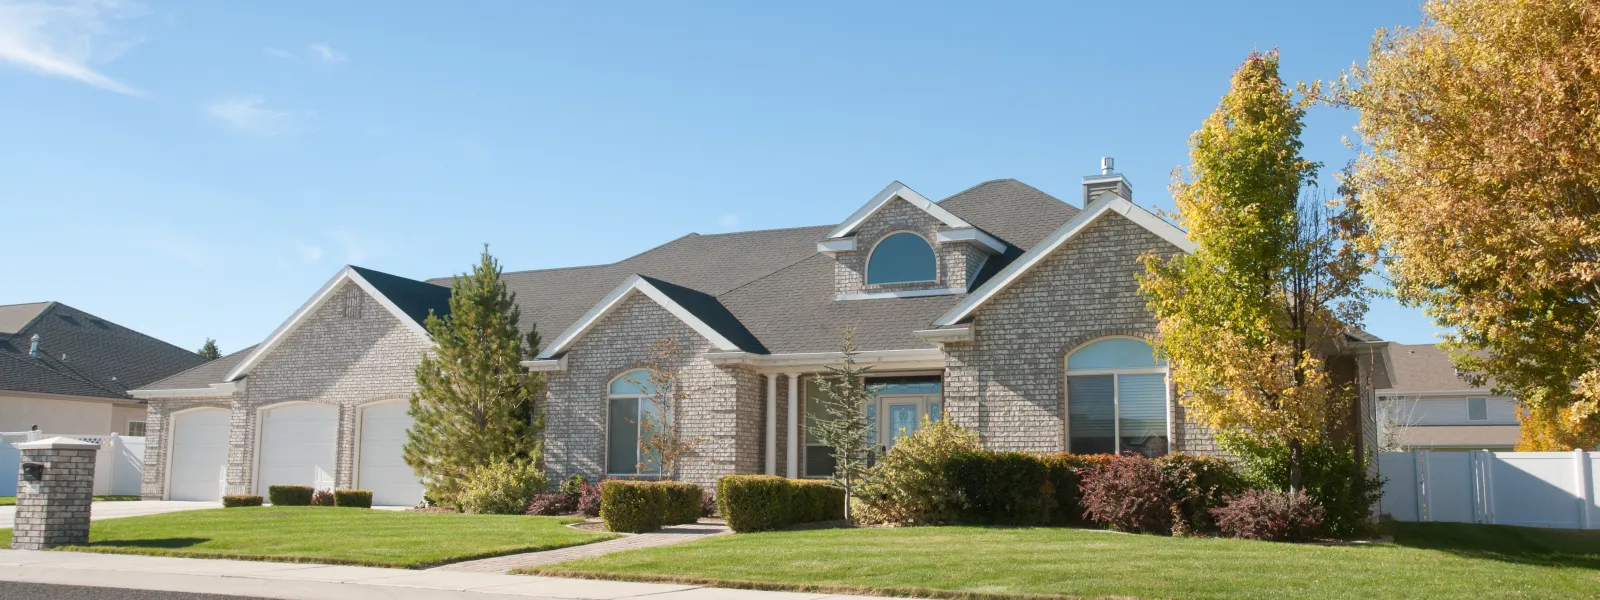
<point x="1108" y="180"/>
<point x="33" y="349"/>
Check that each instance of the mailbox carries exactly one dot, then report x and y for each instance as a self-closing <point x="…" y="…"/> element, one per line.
<point x="32" y="471"/>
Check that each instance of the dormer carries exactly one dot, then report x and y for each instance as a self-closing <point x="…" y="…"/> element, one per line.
<point x="900" y="244"/>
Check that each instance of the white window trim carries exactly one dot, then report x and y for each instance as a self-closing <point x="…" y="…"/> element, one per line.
<point x="129" y="427"/>
<point x="866" y="268"/>
<point x="638" y="425"/>
<point x="1116" y="393"/>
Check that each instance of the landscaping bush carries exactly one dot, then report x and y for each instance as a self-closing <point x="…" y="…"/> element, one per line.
<point x="682" y="502"/>
<point x="912" y="485"/>
<point x="589" y="500"/>
<point x="1127" y="494"/>
<point x="502" y="487"/>
<point x="322" y="498"/>
<point x="238" y="500"/>
<point x="289" y="495"/>
<point x="1331" y="473"/>
<point x="573" y="487"/>
<point x="1195" y="485"/>
<point x="1064" y="472"/>
<point x="352" y="498"/>
<point x="708" y="504"/>
<point x="815" y="500"/>
<point x="633" y="506"/>
<point x="754" y="502"/>
<point x="1270" y="515"/>
<point x="551" y="504"/>
<point x="1011" y="488"/>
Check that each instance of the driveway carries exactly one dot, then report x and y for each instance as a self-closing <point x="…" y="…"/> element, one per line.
<point x="116" y="510"/>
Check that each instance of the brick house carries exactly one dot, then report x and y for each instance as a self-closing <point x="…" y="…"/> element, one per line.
<point x="1014" y="313"/>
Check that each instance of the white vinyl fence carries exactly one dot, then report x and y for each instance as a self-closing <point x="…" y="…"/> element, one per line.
<point x="1531" y="489"/>
<point x="118" y="466"/>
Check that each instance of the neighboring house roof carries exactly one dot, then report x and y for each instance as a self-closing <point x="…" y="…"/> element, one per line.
<point x="1425" y="368"/>
<point x="213" y="371"/>
<point x="80" y="354"/>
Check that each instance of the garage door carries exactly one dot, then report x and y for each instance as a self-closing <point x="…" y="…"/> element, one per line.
<point x="199" y="463"/>
<point x="383" y="466"/>
<point x="298" y="445"/>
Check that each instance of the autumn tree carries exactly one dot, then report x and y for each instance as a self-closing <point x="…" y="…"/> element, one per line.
<point x="662" y="443"/>
<point x="1480" y="177"/>
<point x="1248" y="320"/>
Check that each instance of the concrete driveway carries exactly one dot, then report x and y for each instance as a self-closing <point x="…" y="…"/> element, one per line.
<point x="116" y="510"/>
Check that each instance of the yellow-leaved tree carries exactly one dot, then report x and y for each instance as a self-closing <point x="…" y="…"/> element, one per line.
<point x="1480" y="178"/>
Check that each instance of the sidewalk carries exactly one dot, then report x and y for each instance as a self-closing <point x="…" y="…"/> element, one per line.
<point x="290" y="581"/>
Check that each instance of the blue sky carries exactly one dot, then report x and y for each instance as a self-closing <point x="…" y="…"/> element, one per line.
<point x="198" y="169"/>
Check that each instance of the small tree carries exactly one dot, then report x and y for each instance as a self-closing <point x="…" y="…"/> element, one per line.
<point x="661" y="438"/>
<point x="474" y="400"/>
<point x="209" y="350"/>
<point x="845" y="430"/>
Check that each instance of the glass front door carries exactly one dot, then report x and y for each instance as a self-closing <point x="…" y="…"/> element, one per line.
<point x="900" y="416"/>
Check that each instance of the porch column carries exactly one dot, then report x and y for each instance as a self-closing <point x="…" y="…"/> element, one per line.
<point x="793" y="455"/>
<point x="772" y="424"/>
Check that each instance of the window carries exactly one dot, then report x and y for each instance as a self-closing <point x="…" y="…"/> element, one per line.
<point x="901" y="401"/>
<point x="902" y="258"/>
<point x="135" y="428"/>
<point x="1116" y="399"/>
<point x="1477" y="409"/>
<point x="631" y="399"/>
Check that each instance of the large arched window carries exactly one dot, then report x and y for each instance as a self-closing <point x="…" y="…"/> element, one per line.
<point x="1116" y="398"/>
<point x="631" y="398"/>
<point x="902" y="258"/>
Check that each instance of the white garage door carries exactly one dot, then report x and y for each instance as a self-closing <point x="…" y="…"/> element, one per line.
<point x="299" y="443"/>
<point x="199" y="466"/>
<point x="383" y="465"/>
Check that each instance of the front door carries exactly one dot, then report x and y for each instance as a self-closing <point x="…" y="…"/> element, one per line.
<point x="899" y="416"/>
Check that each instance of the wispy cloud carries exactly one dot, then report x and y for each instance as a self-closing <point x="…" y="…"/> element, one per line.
<point x="308" y="252"/>
<point x="283" y="54"/>
<point x="249" y="113"/>
<point x="326" y="53"/>
<point x="65" y="39"/>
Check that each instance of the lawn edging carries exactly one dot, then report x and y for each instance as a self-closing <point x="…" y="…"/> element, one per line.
<point x="767" y="586"/>
<point x="314" y="560"/>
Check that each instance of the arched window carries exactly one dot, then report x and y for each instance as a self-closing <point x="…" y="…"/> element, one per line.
<point x="901" y="258"/>
<point x="631" y="398"/>
<point x="1116" y="398"/>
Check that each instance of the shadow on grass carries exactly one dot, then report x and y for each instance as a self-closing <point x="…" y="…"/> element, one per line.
<point x="182" y="542"/>
<point x="1504" y="543"/>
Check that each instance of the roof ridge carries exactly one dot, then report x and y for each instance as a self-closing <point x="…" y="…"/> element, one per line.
<point x="759" y="231"/>
<point x="57" y="305"/>
<point x="981" y="184"/>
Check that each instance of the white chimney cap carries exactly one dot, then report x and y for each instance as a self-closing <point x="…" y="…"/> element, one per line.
<point x="1108" y="165"/>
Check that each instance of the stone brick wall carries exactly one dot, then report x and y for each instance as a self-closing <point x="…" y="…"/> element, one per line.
<point x="956" y="263"/>
<point x="721" y="406"/>
<point x="157" y="435"/>
<point x="55" y="510"/>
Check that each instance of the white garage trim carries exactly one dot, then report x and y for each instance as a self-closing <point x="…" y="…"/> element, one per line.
<point x="261" y="425"/>
<point x="171" y="434"/>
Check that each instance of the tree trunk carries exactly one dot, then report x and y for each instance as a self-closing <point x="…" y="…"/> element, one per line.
<point x="1296" y="456"/>
<point x="847" y="505"/>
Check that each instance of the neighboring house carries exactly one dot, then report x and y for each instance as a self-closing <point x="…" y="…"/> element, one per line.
<point x="67" y="371"/>
<point x="1429" y="406"/>
<point x="1012" y="312"/>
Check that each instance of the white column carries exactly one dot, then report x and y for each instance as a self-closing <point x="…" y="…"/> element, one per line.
<point x="772" y="424"/>
<point x="793" y="457"/>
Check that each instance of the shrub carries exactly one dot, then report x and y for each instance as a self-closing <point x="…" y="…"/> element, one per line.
<point x="633" y="506"/>
<point x="322" y="498"/>
<point x="573" y="487"/>
<point x="911" y="483"/>
<point x="682" y="502"/>
<point x="1196" y="484"/>
<point x="552" y="503"/>
<point x="815" y="500"/>
<point x="1269" y="515"/>
<point x="708" y="504"/>
<point x="1332" y="474"/>
<point x="289" y="495"/>
<point x="353" y="498"/>
<point x="502" y="487"/>
<point x="1127" y="494"/>
<point x="754" y="502"/>
<point x="1064" y="471"/>
<point x="1002" y="487"/>
<point x="589" y="500"/>
<point x="238" y="500"/>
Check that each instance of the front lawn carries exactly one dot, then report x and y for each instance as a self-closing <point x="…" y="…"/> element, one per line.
<point x="1427" y="560"/>
<point x="378" y="538"/>
<point x="12" y="500"/>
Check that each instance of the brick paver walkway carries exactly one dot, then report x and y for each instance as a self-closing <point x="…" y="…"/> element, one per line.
<point x="675" y="534"/>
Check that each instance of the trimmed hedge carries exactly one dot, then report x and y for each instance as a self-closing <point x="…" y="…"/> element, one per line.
<point x="290" y="495"/>
<point x="682" y="502"/>
<point x="633" y="506"/>
<point x="237" y="500"/>
<point x="768" y="502"/>
<point x="1009" y="488"/>
<point x="353" y="498"/>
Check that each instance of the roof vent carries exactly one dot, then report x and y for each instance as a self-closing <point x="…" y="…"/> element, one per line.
<point x="1108" y="180"/>
<point x="33" y="348"/>
<point x="1107" y="165"/>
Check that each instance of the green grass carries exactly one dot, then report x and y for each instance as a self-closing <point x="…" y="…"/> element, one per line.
<point x="1427" y="560"/>
<point x="350" y="536"/>
<point x="12" y="500"/>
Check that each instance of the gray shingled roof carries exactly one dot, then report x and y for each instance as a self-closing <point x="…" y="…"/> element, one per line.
<point x="210" y="372"/>
<point x="1425" y="368"/>
<point x="102" y="359"/>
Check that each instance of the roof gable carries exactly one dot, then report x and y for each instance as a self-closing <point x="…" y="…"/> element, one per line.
<point x="896" y="190"/>
<point x="700" y="311"/>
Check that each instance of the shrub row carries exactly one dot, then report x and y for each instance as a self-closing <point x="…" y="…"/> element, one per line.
<point x="305" y="495"/>
<point x="290" y="495"/>
<point x="768" y="502"/>
<point x="638" y="506"/>
<point x="237" y="500"/>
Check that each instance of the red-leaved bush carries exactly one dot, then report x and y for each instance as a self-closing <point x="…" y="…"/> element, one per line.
<point x="552" y="503"/>
<point x="1127" y="494"/>
<point x="1269" y="515"/>
<point x="589" y="500"/>
<point x="322" y="498"/>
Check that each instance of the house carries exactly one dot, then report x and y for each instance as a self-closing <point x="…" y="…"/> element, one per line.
<point x="1429" y="406"/>
<point x="1007" y="309"/>
<point x="63" y="370"/>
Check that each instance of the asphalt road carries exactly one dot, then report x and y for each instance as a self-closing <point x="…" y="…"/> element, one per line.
<point x="10" y="590"/>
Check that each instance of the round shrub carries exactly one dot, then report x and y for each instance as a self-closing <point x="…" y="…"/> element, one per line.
<point x="503" y="487"/>
<point x="352" y="498"/>
<point x="912" y="485"/>
<point x="1270" y="515"/>
<point x="634" y="506"/>
<point x="589" y="500"/>
<point x="1196" y="484"/>
<point x="238" y="500"/>
<point x="289" y="495"/>
<point x="551" y="504"/>
<point x="322" y="498"/>
<point x="1127" y="494"/>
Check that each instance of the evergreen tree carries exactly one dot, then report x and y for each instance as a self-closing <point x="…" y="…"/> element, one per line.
<point x="209" y="350"/>
<point x="475" y="402"/>
<point x="844" y="431"/>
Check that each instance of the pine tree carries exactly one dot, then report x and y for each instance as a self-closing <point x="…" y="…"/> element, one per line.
<point x="475" y="402"/>
<point x="209" y="350"/>
<point x="844" y="431"/>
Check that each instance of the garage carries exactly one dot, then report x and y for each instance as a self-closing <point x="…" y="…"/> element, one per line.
<point x="299" y="445"/>
<point x="383" y="468"/>
<point x="199" y="463"/>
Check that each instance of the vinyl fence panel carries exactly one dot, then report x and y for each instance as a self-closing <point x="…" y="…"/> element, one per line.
<point x="1531" y="489"/>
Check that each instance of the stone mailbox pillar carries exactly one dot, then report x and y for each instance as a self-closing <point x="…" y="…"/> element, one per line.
<point x="54" y="488"/>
